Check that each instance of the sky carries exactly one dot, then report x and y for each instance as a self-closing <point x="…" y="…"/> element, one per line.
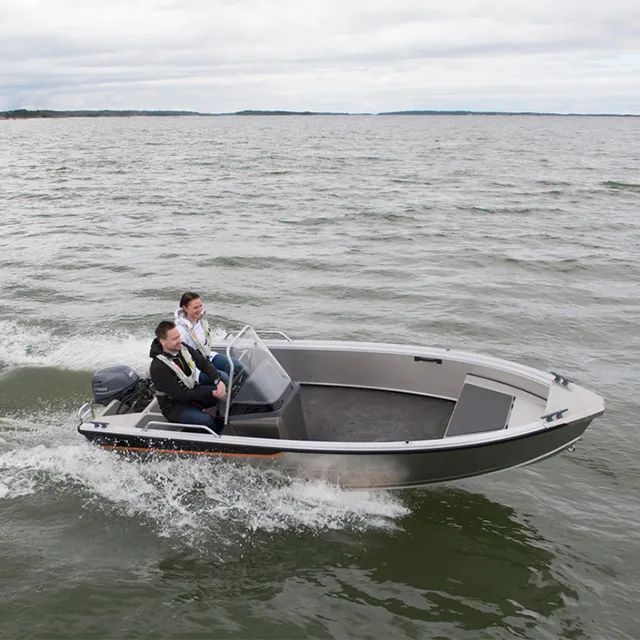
<point x="219" y="56"/>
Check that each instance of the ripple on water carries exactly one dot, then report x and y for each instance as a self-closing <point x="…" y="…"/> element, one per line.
<point x="514" y="236"/>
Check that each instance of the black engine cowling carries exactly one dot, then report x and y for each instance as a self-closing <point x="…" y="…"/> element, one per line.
<point x="121" y="383"/>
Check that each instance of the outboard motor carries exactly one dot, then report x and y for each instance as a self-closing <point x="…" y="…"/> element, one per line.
<point x="121" y="383"/>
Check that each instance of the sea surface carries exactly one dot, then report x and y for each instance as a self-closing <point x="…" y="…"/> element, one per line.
<point x="514" y="236"/>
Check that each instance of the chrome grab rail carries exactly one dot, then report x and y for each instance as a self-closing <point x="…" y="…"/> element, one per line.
<point x="156" y="424"/>
<point x="284" y="336"/>
<point x="84" y="411"/>
<point x="227" y="406"/>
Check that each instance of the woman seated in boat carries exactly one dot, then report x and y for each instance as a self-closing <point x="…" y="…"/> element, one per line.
<point x="191" y="322"/>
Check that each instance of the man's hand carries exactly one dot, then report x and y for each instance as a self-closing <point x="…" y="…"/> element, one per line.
<point x="220" y="392"/>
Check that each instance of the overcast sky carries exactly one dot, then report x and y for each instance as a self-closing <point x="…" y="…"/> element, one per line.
<point x="328" y="55"/>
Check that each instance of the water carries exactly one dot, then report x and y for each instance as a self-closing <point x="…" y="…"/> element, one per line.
<point x="513" y="236"/>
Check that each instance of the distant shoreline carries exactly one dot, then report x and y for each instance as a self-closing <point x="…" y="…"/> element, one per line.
<point x="24" y="114"/>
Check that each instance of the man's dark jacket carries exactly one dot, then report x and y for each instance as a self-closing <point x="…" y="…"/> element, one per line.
<point x="175" y="397"/>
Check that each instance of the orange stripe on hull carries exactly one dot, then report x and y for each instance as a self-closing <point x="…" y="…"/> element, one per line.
<point x="193" y="453"/>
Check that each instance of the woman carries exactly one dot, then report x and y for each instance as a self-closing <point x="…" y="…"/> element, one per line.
<point x="191" y="321"/>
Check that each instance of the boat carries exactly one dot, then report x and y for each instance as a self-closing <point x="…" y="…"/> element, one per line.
<point x="357" y="414"/>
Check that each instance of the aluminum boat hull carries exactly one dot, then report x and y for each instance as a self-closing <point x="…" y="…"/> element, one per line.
<point x="408" y="439"/>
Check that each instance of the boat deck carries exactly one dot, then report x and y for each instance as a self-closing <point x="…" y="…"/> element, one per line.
<point x="350" y="414"/>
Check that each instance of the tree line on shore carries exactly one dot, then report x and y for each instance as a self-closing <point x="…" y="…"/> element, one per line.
<point x="16" y="114"/>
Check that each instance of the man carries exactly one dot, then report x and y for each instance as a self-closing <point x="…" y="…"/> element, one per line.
<point x="174" y="371"/>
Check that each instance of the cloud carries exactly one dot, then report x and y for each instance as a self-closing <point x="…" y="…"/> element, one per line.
<point x="350" y="55"/>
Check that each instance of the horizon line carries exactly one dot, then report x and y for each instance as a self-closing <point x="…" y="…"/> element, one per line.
<point x="61" y="113"/>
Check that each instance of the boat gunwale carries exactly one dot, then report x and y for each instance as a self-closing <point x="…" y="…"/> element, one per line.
<point x="337" y="447"/>
<point x="574" y="415"/>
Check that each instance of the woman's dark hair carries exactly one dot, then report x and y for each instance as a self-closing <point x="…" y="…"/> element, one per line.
<point x="187" y="298"/>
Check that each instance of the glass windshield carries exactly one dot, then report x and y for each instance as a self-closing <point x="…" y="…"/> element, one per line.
<point x="257" y="382"/>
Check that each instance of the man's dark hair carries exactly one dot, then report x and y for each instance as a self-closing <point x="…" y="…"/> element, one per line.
<point x="187" y="298"/>
<point x="163" y="328"/>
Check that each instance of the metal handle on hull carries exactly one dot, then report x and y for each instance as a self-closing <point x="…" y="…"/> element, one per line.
<point x="560" y="379"/>
<point x="423" y="359"/>
<point x="162" y="425"/>
<point x="284" y="336"/>
<point x="554" y="415"/>
<point x="84" y="411"/>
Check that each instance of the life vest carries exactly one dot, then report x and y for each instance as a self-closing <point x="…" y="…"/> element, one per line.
<point x="202" y="347"/>
<point x="188" y="381"/>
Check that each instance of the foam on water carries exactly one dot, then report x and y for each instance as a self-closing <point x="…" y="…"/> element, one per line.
<point x="181" y="499"/>
<point x="193" y="500"/>
<point x="185" y="498"/>
<point x="31" y="346"/>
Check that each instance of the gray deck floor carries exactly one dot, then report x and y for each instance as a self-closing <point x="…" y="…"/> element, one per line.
<point x="351" y="415"/>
